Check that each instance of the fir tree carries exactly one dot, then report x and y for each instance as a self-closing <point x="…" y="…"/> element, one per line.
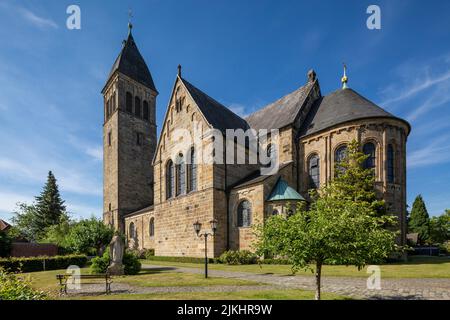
<point x="50" y="207"/>
<point x="419" y="220"/>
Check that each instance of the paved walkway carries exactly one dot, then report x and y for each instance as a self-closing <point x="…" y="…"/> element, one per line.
<point x="405" y="288"/>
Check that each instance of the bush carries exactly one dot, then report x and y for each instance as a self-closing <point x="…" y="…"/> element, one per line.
<point x="42" y="263"/>
<point x="131" y="263"/>
<point x="14" y="287"/>
<point x="180" y="259"/>
<point x="238" y="257"/>
<point x="5" y="244"/>
<point x="148" y="253"/>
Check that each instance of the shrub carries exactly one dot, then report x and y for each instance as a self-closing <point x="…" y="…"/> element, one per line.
<point x="14" y="287"/>
<point x="148" y="253"/>
<point x="5" y="244"/>
<point x="238" y="257"/>
<point x="180" y="259"/>
<point x="42" y="263"/>
<point x="131" y="263"/>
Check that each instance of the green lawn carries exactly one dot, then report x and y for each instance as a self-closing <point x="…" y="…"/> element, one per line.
<point x="241" y="295"/>
<point x="416" y="267"/>
<point x="46" y="281"/>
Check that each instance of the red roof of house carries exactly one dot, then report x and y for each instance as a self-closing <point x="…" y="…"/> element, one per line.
<point x="4" y="225"/>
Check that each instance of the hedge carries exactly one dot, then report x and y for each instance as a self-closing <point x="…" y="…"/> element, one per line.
<point x="211" y="260"/>
<point x="180" y="259"/>
<point x="42" y="263"/>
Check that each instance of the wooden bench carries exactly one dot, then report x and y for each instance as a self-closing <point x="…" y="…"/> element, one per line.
<point x="63" y="278"/>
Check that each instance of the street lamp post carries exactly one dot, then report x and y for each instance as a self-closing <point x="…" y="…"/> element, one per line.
<point x="197" y="227"/>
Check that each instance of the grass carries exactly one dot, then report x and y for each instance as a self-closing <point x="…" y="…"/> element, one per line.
<point x="241" y="295"/>
<point x="416" y="267"/>
<point x="46" y="280"/>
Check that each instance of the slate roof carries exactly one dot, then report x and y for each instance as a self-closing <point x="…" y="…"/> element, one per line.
<point x="283" y="192"/>
<point x="143" y="210"/>
<point x="4" y="225"/>
<point x="256" y="177"/>
<point x="339" y="107"/>
<point x="219" y="116"/>
<point x="130" y="63"/>
<point x="281" y="112"/>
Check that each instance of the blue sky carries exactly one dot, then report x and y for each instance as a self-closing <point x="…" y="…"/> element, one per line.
<point x="243" y="53"/>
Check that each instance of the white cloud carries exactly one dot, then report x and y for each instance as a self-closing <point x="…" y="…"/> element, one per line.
<point x="239" y="109"/>
<point x="36" y="20"/>
<point x="438" y="151"/>
<point x="95" y="152"/>
<point x="8" y="201"/>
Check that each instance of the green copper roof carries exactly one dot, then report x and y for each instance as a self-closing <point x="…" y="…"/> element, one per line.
<point x="282" y="191"/>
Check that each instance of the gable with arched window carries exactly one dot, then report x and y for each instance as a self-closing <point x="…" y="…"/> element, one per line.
<point x="314" y="171"/>
<point x="170" y="185"/>
<point x="244" y="214"/>
<point x="152" y="227"/>
<point x="129" y="102"/>
<point x="369" y="149"/>
<point x="390" y="164"/>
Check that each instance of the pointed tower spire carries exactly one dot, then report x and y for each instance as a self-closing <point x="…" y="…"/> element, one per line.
<point x="344" y="79"/>
<point x="130" y="25"/>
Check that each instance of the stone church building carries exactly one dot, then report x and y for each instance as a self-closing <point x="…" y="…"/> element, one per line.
<point x="154" y="190"/>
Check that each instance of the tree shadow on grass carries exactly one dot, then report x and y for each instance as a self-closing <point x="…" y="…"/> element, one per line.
<point x="150" y="270"/>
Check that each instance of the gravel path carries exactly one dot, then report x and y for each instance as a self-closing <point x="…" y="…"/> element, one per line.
<point x="405" y="288"/>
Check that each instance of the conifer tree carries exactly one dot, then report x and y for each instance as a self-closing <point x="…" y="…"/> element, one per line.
<point x="49" y="206"/>
<point x="419" y="221"/>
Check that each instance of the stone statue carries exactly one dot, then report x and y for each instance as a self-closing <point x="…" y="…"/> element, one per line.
<point x="116" y="248"/>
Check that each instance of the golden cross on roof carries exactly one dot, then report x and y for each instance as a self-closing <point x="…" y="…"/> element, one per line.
<point x="130" y="16"/>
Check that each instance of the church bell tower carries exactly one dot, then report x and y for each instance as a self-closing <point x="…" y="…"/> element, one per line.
<point x="129" y="135"/>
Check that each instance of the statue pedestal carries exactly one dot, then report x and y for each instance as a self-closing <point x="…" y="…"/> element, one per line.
<point x="116" y="269"/>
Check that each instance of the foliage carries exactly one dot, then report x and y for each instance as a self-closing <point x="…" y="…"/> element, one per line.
<point x="14" y="287"/>
<point x="354" y="183"/>
<point x="24" y="222"/>
<point x="89" y="234"/>
<point x="50" y="207"/>
<point x="143" y="253"/>
<point x="37" y="263"/>
<point x="5" y="244"/>
<point x="131" y="263"/>
<point x="238" y="257"/>
<point x="440" y="228"/>
<point x="32" y="221"/>
<point x="180" y="259"/>
<point x="57" y="234"/>
<point x="344" y="225"/>
<point x="419" y="220"/>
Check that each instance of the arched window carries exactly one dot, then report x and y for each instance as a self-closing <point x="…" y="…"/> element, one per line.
<point x="390" y="164"/>
<point x="152" y="227"/>
<point x="113" y="99"/>
<point x="145" y="111"/>
<point x="314" y="171"/>
<point x="369" y="150"/>
<point x="244" y="214"/>
<point x="137" y="107"/>
<point x="170" y="185"/>
<point x="181" y="175"/>
<point x="192" y="171"/>
<point x="339" y="156"/>
<point x="107" y="108"/>
<point x="129" y="102"/>
<point x="132" y="231"/>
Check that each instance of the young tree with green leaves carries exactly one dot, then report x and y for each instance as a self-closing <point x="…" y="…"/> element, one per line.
<point x="440" y="228"/>
<point x="89" y="234"/>
<point x="24" y="222"/>
<point x="419" y="220"/>
<point x="344" y="225"/>
<point x="5" y="243"/>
